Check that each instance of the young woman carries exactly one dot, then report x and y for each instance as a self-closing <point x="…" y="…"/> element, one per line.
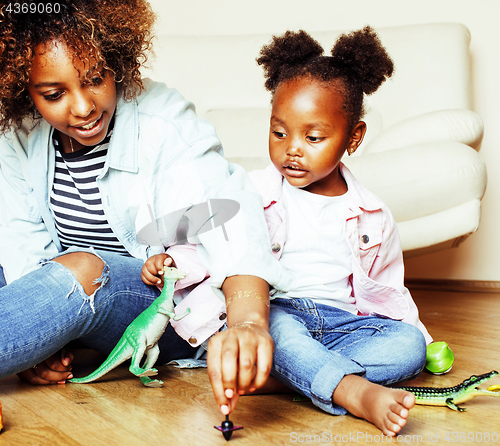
<point x="90" y="154"/>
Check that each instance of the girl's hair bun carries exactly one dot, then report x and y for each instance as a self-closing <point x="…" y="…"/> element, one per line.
<point x="292" y="49"/>
<point x="358" y="65"/>
<point x="361" y="57"/>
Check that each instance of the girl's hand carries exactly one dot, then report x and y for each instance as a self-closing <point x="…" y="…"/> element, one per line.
<point x="54" y="370"/>
<point x="152" y="270"/>
<point x="239" y="359"/>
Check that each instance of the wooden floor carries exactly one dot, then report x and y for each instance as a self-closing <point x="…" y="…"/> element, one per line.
<point x="118" y="410"/>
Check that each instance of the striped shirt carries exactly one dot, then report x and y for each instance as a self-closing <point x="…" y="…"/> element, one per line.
<point x="76" y="200"/>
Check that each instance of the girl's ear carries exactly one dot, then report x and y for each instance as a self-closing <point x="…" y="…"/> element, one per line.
<point x="357" y="136"/>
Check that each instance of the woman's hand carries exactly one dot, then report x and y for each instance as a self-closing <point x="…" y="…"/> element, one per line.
<point x="54" y="370"/>
<point x="152" y="270"/>
<point x="239" y="361"/>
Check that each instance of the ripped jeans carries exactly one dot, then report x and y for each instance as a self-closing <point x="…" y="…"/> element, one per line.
<point x="316" y="345"/>
<point x="46" y="309"/>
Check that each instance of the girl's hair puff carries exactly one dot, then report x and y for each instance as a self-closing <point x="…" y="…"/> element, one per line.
<point x="358" y="65"/>
<point x="115" y="34"/>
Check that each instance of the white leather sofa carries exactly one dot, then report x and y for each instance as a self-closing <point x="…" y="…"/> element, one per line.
<point x="420" y="154"/>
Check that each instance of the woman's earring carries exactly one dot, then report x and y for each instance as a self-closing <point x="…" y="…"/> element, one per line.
<point x="350" y="151"/>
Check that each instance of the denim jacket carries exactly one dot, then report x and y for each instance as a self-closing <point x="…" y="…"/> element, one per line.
<point x="161" y="158"/>
<point x="371" y="233"/>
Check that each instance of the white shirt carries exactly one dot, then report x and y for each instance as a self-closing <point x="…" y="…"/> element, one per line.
<point x="316" y="252"/>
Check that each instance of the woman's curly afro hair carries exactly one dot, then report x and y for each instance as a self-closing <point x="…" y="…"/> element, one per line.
<point x="115" y="34"/>
<point x="358" y="64"/>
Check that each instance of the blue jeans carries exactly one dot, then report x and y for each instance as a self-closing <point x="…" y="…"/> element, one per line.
<point x="317" y="345"/>
<point x="44" y="310"/>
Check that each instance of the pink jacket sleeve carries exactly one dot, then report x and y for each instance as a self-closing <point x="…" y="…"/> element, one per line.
<point x="207" y="310"/>
<point x="187" y="261"/>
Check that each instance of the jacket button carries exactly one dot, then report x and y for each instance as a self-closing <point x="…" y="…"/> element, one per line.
<point x="365" y="239"/>
<point x="222" y="316"/>
<point x="192" y="340"/>
<point x="276" y="247"/>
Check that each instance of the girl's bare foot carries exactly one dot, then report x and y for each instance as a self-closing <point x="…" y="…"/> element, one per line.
<point x="386" y="408"/>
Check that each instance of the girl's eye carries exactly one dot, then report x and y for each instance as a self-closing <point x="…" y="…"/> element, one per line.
<point x="279" y="134"/>
<point x="315" y="138"/>
<point x="53" y="96"/>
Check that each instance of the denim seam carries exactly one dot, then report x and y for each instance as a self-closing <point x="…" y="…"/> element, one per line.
<point x="344" y="331"/>
<point x="296" y="303"/>
<point x="375" y="327"/>
<point x="320" y="323"/>
<point x="311" y="311"/>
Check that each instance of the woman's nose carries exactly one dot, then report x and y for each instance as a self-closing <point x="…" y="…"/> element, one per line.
<point x="83" y="106"/>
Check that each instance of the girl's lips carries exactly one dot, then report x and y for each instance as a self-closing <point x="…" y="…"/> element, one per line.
<point x="295" y="171"/>
<point x="90" y="132"/>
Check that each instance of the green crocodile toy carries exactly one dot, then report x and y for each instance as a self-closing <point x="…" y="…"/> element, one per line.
<point x="451" y="396"/>
<point x="142" y="335"/>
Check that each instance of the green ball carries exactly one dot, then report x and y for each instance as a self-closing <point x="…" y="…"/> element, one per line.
<point x="439" y="358"/>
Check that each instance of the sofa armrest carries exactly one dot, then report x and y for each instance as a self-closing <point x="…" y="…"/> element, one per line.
<point x="422" y="179"/>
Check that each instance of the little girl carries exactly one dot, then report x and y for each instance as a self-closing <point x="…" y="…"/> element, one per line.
<point x="90" y="153"/>
<point x="346" y="324"/>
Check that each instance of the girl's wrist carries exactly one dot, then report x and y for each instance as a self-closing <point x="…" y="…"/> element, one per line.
<point x="252" y="325"/>
<point x="247" y="295"/>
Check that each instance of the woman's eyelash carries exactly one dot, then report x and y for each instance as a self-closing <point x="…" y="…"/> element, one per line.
<point x="96" y="80"/>
<point x="52" y="97"/>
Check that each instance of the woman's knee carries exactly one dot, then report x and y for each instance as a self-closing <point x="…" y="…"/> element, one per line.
<point x="86" y="267"/>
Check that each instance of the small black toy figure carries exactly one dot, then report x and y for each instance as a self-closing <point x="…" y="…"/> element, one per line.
<point x="227" y="428"/>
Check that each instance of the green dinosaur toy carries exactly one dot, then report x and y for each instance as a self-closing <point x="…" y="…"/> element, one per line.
<point x="451" y="396"/>
<point x="142" y="335"/>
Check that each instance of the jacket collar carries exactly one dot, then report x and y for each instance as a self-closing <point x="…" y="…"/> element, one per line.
<point x="360" y="198"/>
<point x="268" y="183"/>
<point x="123" y="147"/>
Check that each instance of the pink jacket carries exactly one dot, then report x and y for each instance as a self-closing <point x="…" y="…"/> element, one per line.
<point x="371" y="232"/>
